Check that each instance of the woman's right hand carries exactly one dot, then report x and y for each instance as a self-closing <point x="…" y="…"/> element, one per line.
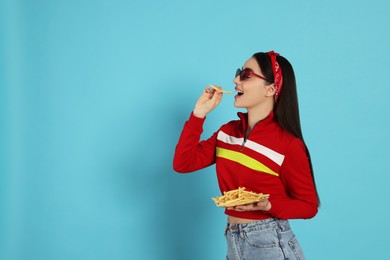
<point x="209" y="100"/>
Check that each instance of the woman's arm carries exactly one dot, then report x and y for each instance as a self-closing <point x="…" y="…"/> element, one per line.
<point x="191" y="154"/>
<point x="297" y="179"/>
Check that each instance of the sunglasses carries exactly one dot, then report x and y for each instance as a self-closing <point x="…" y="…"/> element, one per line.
<point x="246" y="74"/>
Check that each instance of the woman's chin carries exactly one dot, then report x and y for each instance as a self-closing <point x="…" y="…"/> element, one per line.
<point x="237" y="102"/>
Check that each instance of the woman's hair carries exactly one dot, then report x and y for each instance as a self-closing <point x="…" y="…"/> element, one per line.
<point x="286" y="109"/>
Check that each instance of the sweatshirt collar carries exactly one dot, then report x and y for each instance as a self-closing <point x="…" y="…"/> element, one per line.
<point x="266" y="121"/>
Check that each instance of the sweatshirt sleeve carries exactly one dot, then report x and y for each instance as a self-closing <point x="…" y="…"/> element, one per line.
<point x="191" y="154"/>
<point x="301" y="200"/>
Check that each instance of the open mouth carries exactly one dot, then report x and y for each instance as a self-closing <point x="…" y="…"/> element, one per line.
<point x="240" y="93"/>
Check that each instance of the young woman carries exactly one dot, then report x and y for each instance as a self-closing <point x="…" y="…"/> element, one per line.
<point x="263" y="151"/>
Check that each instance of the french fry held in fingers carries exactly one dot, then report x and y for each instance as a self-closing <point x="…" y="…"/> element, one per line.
<point x="238" y="197"/>
<point x="221" y="90"/>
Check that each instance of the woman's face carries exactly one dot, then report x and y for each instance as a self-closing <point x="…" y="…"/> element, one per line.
<point x="252" y="92"/>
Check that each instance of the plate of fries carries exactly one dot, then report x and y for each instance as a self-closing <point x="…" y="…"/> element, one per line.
<point x="237" y="197"/>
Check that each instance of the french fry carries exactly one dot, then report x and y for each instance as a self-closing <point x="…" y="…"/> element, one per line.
<point x="221" y="90"/>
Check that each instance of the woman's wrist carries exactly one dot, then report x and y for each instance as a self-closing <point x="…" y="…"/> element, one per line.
<point x="198" y="114"/>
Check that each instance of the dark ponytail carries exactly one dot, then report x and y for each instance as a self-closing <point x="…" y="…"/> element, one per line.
<point x="286" y="109"/>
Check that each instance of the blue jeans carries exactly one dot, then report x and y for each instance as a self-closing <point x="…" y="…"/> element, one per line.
<point x="266" y="239"/>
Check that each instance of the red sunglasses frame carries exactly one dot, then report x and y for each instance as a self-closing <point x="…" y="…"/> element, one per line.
<point x="246" y="73"/>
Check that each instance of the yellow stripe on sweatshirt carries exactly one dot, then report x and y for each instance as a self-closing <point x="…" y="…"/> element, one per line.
<point x="244" y="160"/>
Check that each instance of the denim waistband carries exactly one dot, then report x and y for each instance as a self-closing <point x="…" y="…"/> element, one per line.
<point x="269" y="223"/>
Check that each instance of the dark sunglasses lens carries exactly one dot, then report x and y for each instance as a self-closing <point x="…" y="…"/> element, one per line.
<point x="238" y="72"/>
<point x="245" y="74"/>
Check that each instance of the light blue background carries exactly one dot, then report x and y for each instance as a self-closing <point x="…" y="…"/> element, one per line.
<point x="93" y="96"/>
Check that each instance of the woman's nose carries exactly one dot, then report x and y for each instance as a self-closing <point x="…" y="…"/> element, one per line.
<point x="236" y="80"/>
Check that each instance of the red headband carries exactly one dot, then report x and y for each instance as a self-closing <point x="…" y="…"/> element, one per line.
<point x="278" y="77"/>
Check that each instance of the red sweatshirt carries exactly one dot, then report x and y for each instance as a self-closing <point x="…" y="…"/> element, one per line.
<point x="270" y="160"/>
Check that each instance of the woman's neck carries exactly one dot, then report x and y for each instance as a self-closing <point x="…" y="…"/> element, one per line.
<point x="255" y="115"/>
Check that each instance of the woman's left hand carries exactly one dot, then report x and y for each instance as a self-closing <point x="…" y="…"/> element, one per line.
<point x="264" y="205"/>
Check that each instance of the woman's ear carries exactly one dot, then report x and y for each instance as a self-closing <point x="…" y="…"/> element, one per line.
<point x="270" y="90"/>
